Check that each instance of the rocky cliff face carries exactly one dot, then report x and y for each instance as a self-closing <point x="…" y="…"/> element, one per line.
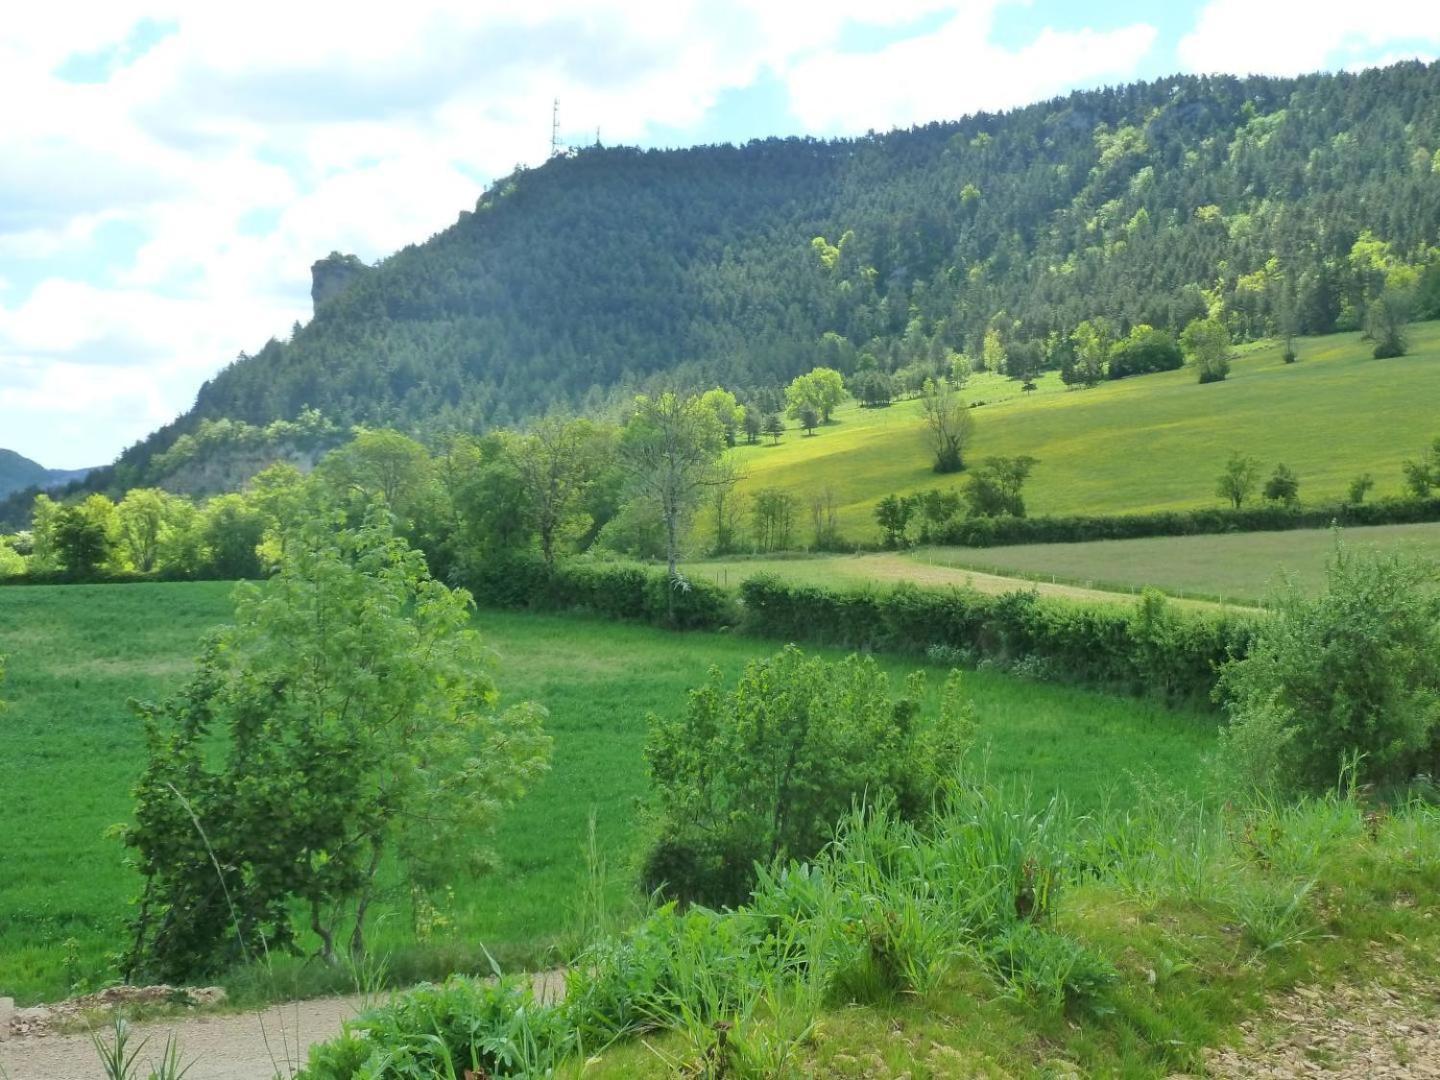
<point x="332" y="275"/>
<point x="232" y="470"/>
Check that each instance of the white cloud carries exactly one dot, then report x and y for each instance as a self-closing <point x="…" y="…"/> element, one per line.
<point x="1279" y="37"/>
<point x="351" y="127"/>
<point x="956" y="70"/>
<point x="362" y="127"/>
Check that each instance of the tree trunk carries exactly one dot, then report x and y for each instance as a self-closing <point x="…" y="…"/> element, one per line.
<point x="327" y="938"/>
<point x="362" y="906"/>
<point x="672" y="526"/>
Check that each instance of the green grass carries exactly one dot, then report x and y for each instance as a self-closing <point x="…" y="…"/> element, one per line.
<point x="1156" y="929"/>
<point x="926" y="567"/>
<point x="1229" y="569"/>
<point x="76" y="654"/>
<point x="1156" y="442"/>
<point x="1241" y="567"/>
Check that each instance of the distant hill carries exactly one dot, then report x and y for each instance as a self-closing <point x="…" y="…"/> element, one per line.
<point x="18" y="473"/>
<point x="1286" y="200"/>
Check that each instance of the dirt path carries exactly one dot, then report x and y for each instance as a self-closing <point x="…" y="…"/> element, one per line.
<point x="1370" y="1032"/>
<point x="223" y="1046"/>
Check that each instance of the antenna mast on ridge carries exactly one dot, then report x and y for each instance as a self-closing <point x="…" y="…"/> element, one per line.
<point x="555" y="128"/>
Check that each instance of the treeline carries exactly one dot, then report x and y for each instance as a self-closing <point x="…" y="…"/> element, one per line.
<point x="659" y="484"/>
<point x="562" y="487"/>
<point x="989" y="509"/>
<point x="1280" y="206"/>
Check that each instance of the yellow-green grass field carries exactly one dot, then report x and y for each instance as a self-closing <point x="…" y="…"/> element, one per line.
<point x="1239" y="567"/>
<point x="1156" y="442"/>
<point x="1230" y="569"/>
<point x="72" y="749"/>
<point x="926" y="567"/>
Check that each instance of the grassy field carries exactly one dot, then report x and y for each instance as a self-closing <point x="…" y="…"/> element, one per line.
<point x="76" y="654"/>
<point x="1230" y="569"/>
<point x="926" y="567"/>
<point x="1240" y="567"/>
<point x="1151" y="443"/>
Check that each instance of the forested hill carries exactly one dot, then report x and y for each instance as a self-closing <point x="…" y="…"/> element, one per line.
<point x="18" y="473"/>
<point x="1287" y="200"/>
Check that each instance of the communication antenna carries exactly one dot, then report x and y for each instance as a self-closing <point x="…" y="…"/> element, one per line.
<point x="555" y="128"/>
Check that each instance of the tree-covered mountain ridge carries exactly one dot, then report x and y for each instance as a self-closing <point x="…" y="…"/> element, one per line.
<point x="18" y="472"/>
<point x="1284" y="204"/>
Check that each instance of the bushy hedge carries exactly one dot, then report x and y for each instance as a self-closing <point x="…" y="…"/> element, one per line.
<point x="1149" y="648"/>
<point x="996" y="531"/>
<point x="612" y="590"/>
<point x="121" y="577"/>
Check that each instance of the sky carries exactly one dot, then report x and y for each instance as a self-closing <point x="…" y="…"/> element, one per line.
<point x="169" y="170"/>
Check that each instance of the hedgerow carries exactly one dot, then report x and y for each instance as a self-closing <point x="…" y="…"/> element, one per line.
<point x="1151" y="648"/>
<point x="1269" y="517"/>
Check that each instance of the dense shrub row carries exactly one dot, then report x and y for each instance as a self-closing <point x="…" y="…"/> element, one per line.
<point x="1148" y="648"/>
<point x="1269" y="517"/>
<point x="115" y="577"/>
<point x="612" y="590"/>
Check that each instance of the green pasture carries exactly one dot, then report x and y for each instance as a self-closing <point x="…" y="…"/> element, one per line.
<point x="1240" y="567"/>
<point x="1156" y="442"/>
<point x="77" y="654"/>
<point x="1230" y="568"/>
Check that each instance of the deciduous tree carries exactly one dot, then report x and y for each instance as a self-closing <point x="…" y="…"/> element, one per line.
<point x="347" y="716"/>
<point x="667" y="451"/>
<point x="821" y="389"/>
<point x="1237" y="482"/>
<point x="1283" y="486"/>
<point x="947" y="424"/>
<point x="994" y="487"/>
<point x="1206" y="344"/>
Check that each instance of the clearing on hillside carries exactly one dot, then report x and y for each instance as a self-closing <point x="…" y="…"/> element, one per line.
<point x="1153" y="442"/>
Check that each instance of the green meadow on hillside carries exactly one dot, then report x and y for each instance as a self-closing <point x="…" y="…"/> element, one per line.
<point x="1155" y="442"/>
<point x="77" y="653"/>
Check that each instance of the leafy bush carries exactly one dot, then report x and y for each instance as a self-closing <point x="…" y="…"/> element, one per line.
<point x="764" y="771"/>
<point x="1354" y="671"/>
<point x="1145" y="350"/>
<point x="12" y="563"/>
<point x="348" y="717"/>
<point x="460" y="1028"/>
